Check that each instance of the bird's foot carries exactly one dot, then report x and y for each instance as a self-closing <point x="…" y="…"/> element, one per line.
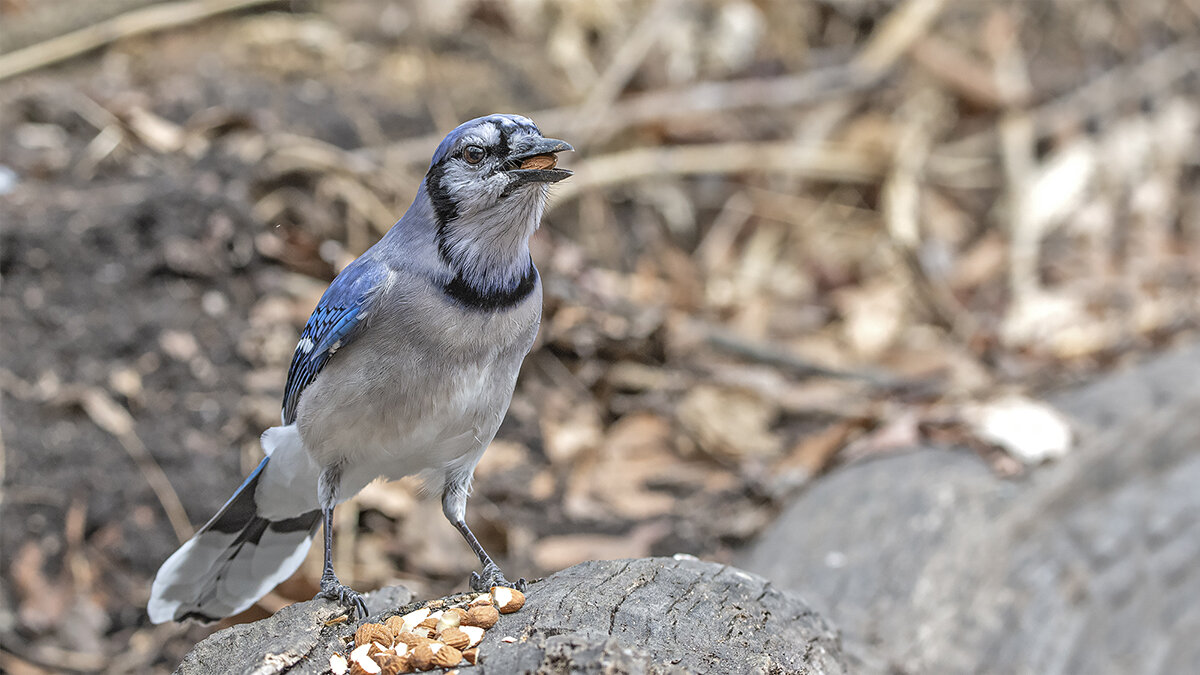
<point x="492" y="576"/>
<point x="332" y="589"/>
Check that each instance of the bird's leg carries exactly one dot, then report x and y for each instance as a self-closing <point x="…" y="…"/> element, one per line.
<point x="331" y="588"/>
<point x="492" y="576"/>
<point x="454" y="504"/>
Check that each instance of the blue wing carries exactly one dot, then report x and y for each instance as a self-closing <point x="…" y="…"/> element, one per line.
<point x="331" y="327"/>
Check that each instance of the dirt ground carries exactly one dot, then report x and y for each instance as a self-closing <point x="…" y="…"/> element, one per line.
<point x="800" y="233"/>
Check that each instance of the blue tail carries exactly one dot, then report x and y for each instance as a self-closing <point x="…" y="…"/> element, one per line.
<point x="235" y="559"/>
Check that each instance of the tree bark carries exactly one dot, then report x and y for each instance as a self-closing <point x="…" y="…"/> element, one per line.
<point x="656" y="615"/>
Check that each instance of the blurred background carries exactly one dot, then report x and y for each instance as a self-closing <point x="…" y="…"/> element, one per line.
<point x="801" y="233"/>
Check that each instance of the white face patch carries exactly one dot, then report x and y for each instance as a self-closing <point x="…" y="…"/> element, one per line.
<point x="473" y="190"/>
<point x="486" y="217"/>
<point x="485" y="135"/>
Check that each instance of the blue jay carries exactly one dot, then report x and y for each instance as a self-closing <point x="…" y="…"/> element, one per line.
<point x="406" y="367"/>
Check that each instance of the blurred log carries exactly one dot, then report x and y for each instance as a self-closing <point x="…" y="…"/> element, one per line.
<point x="653" y="615"/>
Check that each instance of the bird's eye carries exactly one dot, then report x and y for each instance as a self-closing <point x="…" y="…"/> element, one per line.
<point x="473" y="154"/>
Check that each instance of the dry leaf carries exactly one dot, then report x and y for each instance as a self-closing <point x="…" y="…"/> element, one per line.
<point x="578" y="432"/>
<point x="502" y="456"/>
<point x="812" y="453"/>
<point x="902" y="431"/>
<point x="638" y="450"/>
<point x="1029" y="430"/>
<point x="872" y="316"/>
<point x="394" y="499"/>
<point x="555" y="553"/>
<point x="729" y="423"/>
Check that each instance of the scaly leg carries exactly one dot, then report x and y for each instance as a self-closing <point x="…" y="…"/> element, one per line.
<point x="454" y="505"/>
<point x="331" y="588"/>
<point x="492" y="576"/>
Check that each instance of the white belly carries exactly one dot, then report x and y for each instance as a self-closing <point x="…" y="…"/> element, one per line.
<point x="400" y="421"/>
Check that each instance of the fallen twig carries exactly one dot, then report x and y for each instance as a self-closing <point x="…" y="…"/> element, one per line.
<point x="799" y="367"/>
<point x="896" y="33"/>
<point x="822" y="163"/>
<point x="1097" y="97"/>
<point x="704" y="98"/>
<point x="138" y="22"/>
<point x="114" y="419"/>
<point x="621" y="68"/>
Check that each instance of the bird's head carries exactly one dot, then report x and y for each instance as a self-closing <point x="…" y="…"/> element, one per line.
<point x="487" y="187"/>
<point x="492" y="167"/>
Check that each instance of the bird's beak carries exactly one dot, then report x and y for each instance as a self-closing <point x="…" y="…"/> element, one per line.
<point x="538" y="163"/>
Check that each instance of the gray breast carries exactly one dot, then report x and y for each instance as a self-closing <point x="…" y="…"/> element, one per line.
<point x="422" y="374"/>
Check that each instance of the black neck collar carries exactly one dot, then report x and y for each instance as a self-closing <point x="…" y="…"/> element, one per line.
<point x="471" y="297"/>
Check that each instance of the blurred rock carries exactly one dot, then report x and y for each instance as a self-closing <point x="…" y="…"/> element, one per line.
<point x="929" y="563"/>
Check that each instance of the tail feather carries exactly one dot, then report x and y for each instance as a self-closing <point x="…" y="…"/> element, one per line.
<point x="235" y="559"/>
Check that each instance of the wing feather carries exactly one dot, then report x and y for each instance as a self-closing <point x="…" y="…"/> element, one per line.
<point x="333" y="324"/>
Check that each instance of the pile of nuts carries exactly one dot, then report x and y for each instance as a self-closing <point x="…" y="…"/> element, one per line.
<point x="425" y="639"/>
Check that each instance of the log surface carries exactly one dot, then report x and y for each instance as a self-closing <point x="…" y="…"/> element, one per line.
<point x="655" y="615"/>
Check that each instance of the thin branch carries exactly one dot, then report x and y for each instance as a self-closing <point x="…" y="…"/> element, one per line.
<point x="1096" y="98"/>
<point x="138" y="22"/>
<point x="801" y="368"/>
<point x="821" y="163"/>
<point x="621" y="67"/>
<point x="114" y="419"/>
<point x="809" y="88"/>
<point x="896" y="33"/>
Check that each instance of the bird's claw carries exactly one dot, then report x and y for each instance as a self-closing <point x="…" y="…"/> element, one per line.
<point x="491" y="577"/>
<point x="345" y="596"/>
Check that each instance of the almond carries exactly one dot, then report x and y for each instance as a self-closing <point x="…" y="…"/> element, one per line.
<point x="540" y="162"/>
<point x="474" y="633"/>
<point x="395" y="624"/>
<point x="393" y="664"/>
<point x="471" y="655"/>
<point x="361" y="663"/>
<point x="373" y="632"/>
<point x="446" y="656"/>
<point x="414" y="618"/>
<point x="367" y="667"/>
<point x="447" y="621"/>
<point x="456" y="638"/>
<point x="412" y="640"/>
<point x="360" y="651"/>
<point x="338" y="664"/>
<point x="484" y="616"/>
<point x="481" y="599"/>
<point x="507" y="600"/>
<point x="421" y="657"/>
